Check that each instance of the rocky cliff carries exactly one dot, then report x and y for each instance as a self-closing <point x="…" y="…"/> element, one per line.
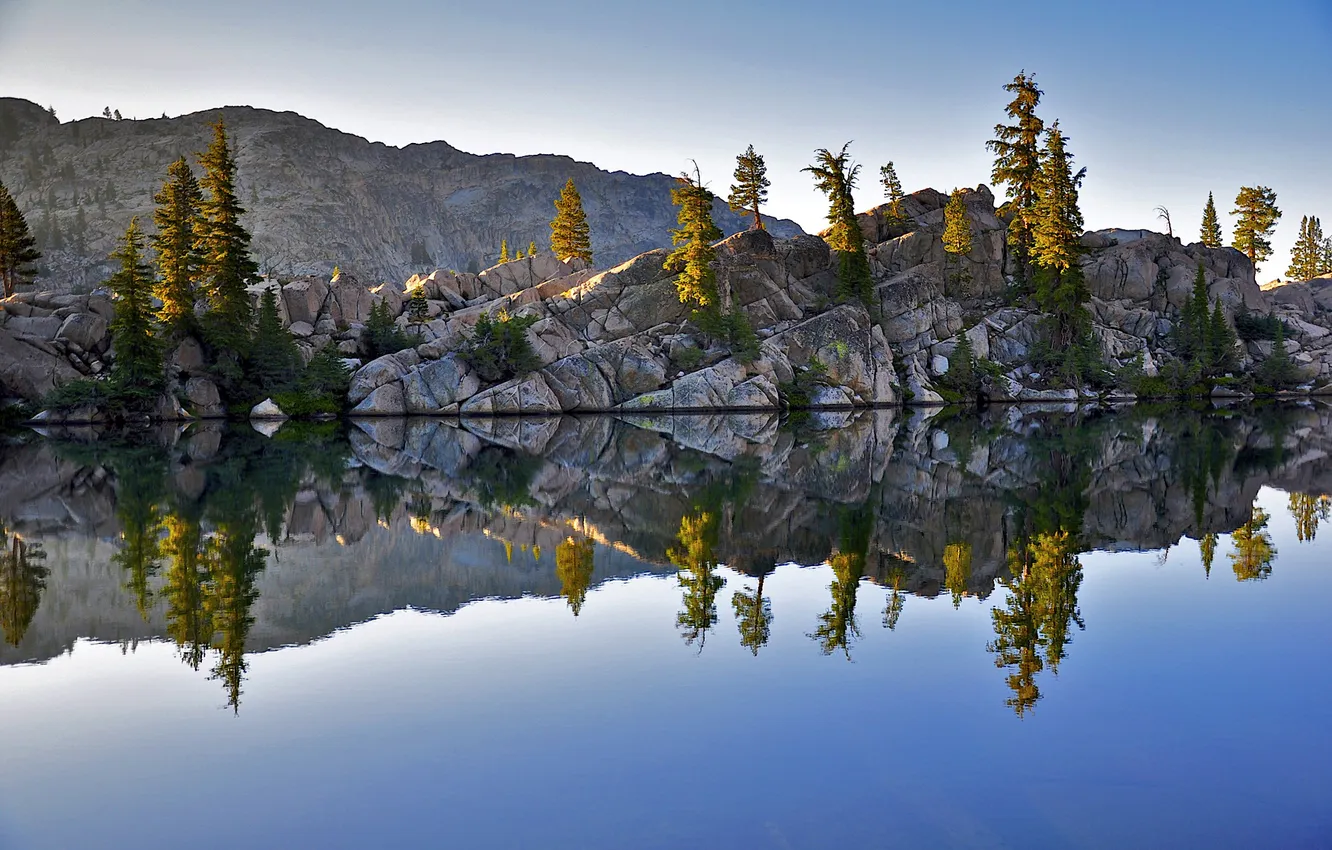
<point x="318" y="197"/>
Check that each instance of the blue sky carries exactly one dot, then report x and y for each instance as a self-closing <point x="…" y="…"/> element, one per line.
<point x="1163" y="100"/>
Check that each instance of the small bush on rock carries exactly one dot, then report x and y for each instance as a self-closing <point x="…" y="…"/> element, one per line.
<point x="382" y="335"/>
<point x="498" y="348"/>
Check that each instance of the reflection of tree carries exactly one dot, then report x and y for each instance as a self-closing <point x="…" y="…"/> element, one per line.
<point x="1031" y="630"/>
<point x="234" y="563"/>
<point x="1252" y="550"/>
<point x="138" y="498"/>
<point x="573" y="564"/>
<point x="693" y="557"/>
<point x="1309" y="511"/>
<point x="957" y="570"/>
<point x="22" y="580"/>
<point x="186" y="589"/>
<point x="1207" y="548"/>
<point x="837" y="626"/>
<point x="896" y="599"/>
<point x="753" y="612"/>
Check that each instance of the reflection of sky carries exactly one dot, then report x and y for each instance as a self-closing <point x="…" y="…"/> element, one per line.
<point x="1190" y="712"/>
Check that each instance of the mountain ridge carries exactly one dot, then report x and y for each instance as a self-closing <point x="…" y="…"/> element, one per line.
<point x="319" y="197"/>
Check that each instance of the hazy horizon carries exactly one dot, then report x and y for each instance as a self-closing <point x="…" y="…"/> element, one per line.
<point x="1161" y="105"/>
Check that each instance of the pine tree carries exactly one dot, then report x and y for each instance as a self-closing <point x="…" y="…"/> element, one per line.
<point x="274" y="360"/>
<point x="892" y="190"/>
<point x="835" y="176"/>
<point x="692" y="259"/>
<point x="137" y="368"/>
<point x="18" y="248"/>
<point x="1017" y="166"/>
<point x="1258" y="215"/>
<point x="957" y="235"/>
<point x="532" y="248"/>
<point x="569" y="233"/>
<point x="1306" y="259"/>
<point x="418" y="308"/>
<point x="504" y="251"/>
<point x="178" y="259"/>
<point x="750" y="189"/>
<point x="224" y="245"/>
<point x="1325" y="258"/>
<point x="1211" y="226"/>
<point x="1061" y="289"/>
<point x="1221" y="343"/>
<point x="1192" y="328"/>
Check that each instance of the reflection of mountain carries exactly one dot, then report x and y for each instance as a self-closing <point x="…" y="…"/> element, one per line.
<point x="435" y="514"/>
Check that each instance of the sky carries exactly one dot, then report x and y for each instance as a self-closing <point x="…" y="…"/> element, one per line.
<point x="1163" y="100"/>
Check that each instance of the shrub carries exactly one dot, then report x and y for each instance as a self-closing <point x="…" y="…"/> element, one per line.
<point x="795" y="393"/>
<point x="498" y="348"/>
<point x="1254" y="326"/>
<point x="732" y="329"/>
<point x="382" y="335"/>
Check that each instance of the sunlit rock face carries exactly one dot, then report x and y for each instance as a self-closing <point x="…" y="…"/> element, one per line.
<point x="319" y="198"/>
<point x="432" y="514"/>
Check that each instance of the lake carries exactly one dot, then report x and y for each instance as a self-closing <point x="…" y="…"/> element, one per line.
<point x="1026" y="627"/>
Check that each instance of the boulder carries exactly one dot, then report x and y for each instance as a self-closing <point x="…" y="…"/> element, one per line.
<point x="386" y="400"/>
<point x="188" y="356"/>
<point x="378" y="372"/>
<point x="303" y="298"/>
<point x="28" y="372"/>
<point x="87" y="330"/>
<point x="302" y="330"/>
<point x="579" y="385"/>
<point x="267" y="409"/>
<point x="528" y="394"/>
<point x="203" y="397"/>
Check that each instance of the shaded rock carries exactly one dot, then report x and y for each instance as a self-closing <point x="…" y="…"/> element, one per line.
<point x="88" y="330"/>
<point x="386" y="400"/>
<point x="203" y="397"/>
<point x="521" y="395"/>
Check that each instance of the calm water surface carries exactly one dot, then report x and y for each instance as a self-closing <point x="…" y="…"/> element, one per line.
<point x="1028" y="628"/>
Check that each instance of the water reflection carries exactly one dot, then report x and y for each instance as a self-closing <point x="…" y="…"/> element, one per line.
<point x="227" y="542"/>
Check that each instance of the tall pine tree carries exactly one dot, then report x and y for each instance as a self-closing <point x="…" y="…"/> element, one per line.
<point x="18" y="248"/>
<point x="137" y="368"/>
<point x="178" y="258"/>
<point x="892" y="191"/>
<point x="692" y="259"/>
<point x="1258" y="215"/>
<point x="750" y="189"/>
<point x="274" y="361"/>
<point x="1211" y="225"/>
<point x="224" y="245"/>
<point x="835" y="176"/>
<point x="1017" y="166"/>
<point x="1061" y="289"/>
<point x="1306" y="259"/>
<point x="957" y="235"/>
<point x="570" y="236"/>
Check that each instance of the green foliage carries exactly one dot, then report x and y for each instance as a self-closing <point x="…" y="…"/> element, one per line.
<point x="1278" y="370"/>
<point x="693" y="257"/>
<point x="1307" y="259"/>
<point x="273" y="361"/>
<point x="1205" y="339"/>
<point x="138" y="362"/>
<point x="1017" y="166"/>
<point x="569" y="234"/>
<point x="750" y="189"/>
<point x="18" y="248"/>
<point x="796" y="393"/>
<point x="532" y="248"/>
<point x="1254" y="326"/>
<point x="689" y="358"/>
<point x="418" y="308"/>
<point x="1258" y="214"/>
<point x="498" y="348"/>
<point x="224" y="245"/>
<point x="504" y="251"/>
<point x="963" y="378"/>
<point x="1057" y="218"/>
<point x="178" y="257"/>
<point x="835" y="176"/>
<point x="733" y="329"/>
<point x="574" y="561"/>
<point x="892" y="191"/>
<point x="1211" y="225"/>
<point x="502" y="478"/>
<point x="382" y="335"/>
<point x="957" y="236"/>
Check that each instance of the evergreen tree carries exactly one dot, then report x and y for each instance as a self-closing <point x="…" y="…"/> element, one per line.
<point x="962" y="377"/>
<point x="573" y="565"/>
<point x="381" y="332"/>
<point x="224" y="245"/>
<point x="1278" y="371"/>
<point x="1258" y="215"/>
<point x="18" y="248"/>
<point x="1221" y="344"/>
<point x="532" y="248"/>
<point x="1061" y="289"/>
<point x="1253" y="552"/>
<point x="692" y="259"/>
<point x="418" y="308"/>
<point x="569" y="233"/>
<point x="22" y="581"/>
<point x="750" y="189"/>
<point x="326" y="377"/>
<point x="835" y="176"/>
<point x="138" y="367"/>
<point x="178" y="258"/>
<point x="273" y="357"/>
<point x="892" y="190"/>
<point x="957" y="235"/>
<point x="504" y="251"/>
<point x="1306" y="259"/>
<point x="1191" y="331"/>
<point x="1211" y="226"/>
<point x="1017" y="166"/>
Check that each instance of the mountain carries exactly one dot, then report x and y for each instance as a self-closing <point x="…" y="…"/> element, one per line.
<point x="318" y="197"/>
